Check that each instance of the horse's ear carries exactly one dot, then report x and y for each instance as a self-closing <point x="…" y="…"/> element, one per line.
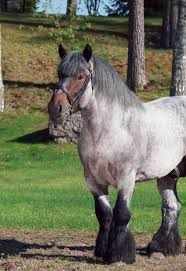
<point x="62" y="51"/>
<point x="87" y="52"/>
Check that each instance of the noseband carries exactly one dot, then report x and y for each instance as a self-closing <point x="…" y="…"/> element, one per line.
<point x="73" y="98"/>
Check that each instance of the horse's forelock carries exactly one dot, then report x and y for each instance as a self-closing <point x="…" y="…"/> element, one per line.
<point x="72" y="64"/>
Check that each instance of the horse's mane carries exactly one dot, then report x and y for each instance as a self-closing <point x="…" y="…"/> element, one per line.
<point x="106" y="81"/>
<point x="110" y="86"/>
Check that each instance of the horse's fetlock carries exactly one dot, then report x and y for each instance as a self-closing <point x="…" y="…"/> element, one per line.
<point x="121" y="217"/>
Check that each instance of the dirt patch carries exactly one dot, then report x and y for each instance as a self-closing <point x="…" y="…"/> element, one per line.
<point x="70" y="251"/>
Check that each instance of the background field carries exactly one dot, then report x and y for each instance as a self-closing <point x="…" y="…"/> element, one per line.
<point x="41" y="183"/>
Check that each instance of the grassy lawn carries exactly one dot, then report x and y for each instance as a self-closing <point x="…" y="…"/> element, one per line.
<point x="42" y="184"/>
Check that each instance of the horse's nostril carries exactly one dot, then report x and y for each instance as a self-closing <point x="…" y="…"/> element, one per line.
<point x="60" y="109"/>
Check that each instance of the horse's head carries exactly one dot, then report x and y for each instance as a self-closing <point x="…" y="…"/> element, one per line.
<point x="74" y="87"/>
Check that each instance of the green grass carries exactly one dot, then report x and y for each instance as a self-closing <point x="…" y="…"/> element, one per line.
<point x="42" y="184"/>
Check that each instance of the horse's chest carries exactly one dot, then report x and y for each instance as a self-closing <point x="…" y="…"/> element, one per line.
<point x="104" y="170"/>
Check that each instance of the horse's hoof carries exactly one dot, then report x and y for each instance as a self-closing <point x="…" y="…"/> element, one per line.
<point x="168" y="245"/>
<point x="119" y="260"/>
<point x="122" y="249"/>
<point x="99" y="252"/>
<point x="118" y="264"/>
<point x="101" y="246"/>
<point x="157" y="256"/>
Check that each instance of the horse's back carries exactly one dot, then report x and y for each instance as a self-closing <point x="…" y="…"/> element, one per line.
<point x="168" y="103"/>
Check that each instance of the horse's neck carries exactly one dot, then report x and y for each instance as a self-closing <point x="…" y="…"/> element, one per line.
<point x="99" y="116"/>
<point x="94" y="114"/>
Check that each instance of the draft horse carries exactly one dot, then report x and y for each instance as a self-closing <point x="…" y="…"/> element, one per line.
<point x="122" y="141"/>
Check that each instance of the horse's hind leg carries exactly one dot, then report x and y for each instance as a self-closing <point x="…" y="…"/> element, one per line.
<point x="167" y="239"/>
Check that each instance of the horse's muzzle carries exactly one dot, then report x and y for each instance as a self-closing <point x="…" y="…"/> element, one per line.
<point x="58" y="109"/>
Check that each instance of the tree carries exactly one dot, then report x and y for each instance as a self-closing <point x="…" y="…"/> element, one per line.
<point x="153" y="7"/>
<point x="121" y="8"/>
<point x="117" y="8"/>
<point x="4" y="5"/>
<point x="165" y="33"/>
<point x="24" y="5"/>
<point x="92" y="6"/>
<point x="1" y="81"/>
<point x="173" y="20"/>
<point x="136" y="62"/>
<point x="71" y="6"/>
<point x="178" y="86"/>
<point x="169" y="23"/>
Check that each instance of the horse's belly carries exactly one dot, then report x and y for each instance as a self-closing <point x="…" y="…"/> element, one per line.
<point x="161" y="163"/>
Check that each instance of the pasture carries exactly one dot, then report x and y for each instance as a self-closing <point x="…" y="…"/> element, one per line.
<point x="47" y="219"/>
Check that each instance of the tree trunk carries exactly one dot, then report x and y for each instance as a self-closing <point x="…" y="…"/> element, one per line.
<point x="71" y="6"/>
<point x="136" y="60"/>
<point x="178" y="86"/>
<point x="173" y="21"/>
<point x="24" y="6"/>
<point x="165" y="33"/>
<point x="1" y="81"/>
<point x="4" y="5"/>
<point x="169" y="23"/>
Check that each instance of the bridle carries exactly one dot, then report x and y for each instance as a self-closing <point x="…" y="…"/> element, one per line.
<point x="73" y="99"/>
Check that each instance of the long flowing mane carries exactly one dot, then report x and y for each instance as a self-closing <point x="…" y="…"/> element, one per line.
<point x="106" y="81"/>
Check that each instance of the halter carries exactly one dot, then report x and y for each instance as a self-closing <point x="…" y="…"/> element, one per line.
<point x="73" y="98"/>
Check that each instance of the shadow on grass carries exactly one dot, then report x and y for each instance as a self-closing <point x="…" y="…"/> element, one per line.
<point x="41" y="136"/>
<point x="28" y="84"/>
<point x="13" y="247"/>
<point x="26" y="23"/>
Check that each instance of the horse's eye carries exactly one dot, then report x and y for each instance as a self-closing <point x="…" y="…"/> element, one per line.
<point x="80" y="77"/>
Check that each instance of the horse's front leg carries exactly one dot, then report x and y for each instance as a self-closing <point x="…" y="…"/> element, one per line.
<point x="121" y="245"/>
<point x="103" y="212"/>
<point x="104" y="216"/>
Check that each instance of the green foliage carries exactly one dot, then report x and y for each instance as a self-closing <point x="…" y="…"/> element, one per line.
<point x="30" y="5"/>
<point x="68" y="29"/>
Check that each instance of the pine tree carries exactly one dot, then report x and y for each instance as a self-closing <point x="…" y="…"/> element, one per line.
<point x="136" y="56"/>
<point x="169" y="23"/>
<point x="118" y="8"/>
<point x="178" y="86"/>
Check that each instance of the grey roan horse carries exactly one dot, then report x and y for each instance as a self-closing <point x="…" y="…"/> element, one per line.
<point x="123" y="141"/>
